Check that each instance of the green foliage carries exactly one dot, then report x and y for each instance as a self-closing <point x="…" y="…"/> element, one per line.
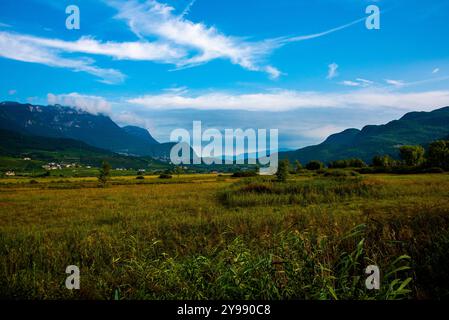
<point x="314" y="165"/>
<point x="332" y="189"/>
<point x="414" y="128"/>
<point x="298" y="166"/>
<point x="438" y="154"/>
<point x="105" y="173"/>
<point x="165" y="176"/>
<point x="244" y="174"/>
<point x="412" y="155"/>
<point x="384" y="161"/>
<point x="283" y="170"/>
<point x="348" y="163"/>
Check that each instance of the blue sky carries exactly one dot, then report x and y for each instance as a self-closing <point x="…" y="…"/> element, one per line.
<point x="307" y="68"/>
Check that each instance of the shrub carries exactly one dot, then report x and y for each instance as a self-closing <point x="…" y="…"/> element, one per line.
<point x="340" y="173"/>
<point x="140" y="178"/>
<point x="282" y="173"/>
<point x="244" y="174"/>
<point x="165" y="176"/>
<point x="105" y="173"/>
<point x="433" y="170"/>
<point x="314" y="165"/>
<point x="298" y="166"/>
<point x="348" y="163"/>
<point x="384" y="161"/>
<point x="438" y="154"/>
<point x="412" y="155"/>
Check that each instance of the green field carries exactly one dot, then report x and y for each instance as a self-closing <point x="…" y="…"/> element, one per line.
<point x="216" y="237"/>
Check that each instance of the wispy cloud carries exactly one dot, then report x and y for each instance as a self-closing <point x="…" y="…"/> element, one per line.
<point x="22" y="48"/>
<point x="284" y="100"/>
<point x="359" y="82"/>
<point x="396" y="83"/>
<point x="436" y="70"/>
<point x="350" y="83"/>
<point x="165" y="37"/>
<point x="91" y="104"/>
<point x="332" y="71"/>
<point x="204" y="43"/>
<point x="188" y="8"/>
<point x="154" y="19"/>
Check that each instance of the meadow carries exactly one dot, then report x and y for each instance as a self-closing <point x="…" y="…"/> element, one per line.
<point x="217" y="237"/>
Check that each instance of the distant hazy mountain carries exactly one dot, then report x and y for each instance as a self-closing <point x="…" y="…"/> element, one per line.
<point x="65" y="122"/>
<point x="414" y="128"/>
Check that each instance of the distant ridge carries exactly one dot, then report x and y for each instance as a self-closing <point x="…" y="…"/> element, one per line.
<point x="70" y="123"/>
<point x="414" y="128"/>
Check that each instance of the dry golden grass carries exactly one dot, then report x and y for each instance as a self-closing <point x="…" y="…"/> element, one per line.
<point x="176" y="239"/>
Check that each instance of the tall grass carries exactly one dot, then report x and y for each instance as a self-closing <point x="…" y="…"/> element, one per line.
<point x="172" y="241"/>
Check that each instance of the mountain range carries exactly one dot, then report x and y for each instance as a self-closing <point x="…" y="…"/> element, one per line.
<point x="414" y="128"/>
<point x="29" y="129"/>
<point x="70" y="123"/>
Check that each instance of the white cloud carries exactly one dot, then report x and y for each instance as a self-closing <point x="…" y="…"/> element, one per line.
<point x="350" y="83"/>
<point x="91" y="104"/>
<point x="154" y="19"/>
<point x="12" y="92"/>
<point x="179" y="42"/>
<point x="322" y="132"/>
<point x="332" y="71"/>
<point x="396" y="83"/>
<point x="17" y="47"/>
<point x="359" y="82"/>
<point x="284" y="100"/>
<point x="158" y="52"/>
<point x="365" y="81"/>
<point x="188" y="8"/>
<point x="436" y="70"/>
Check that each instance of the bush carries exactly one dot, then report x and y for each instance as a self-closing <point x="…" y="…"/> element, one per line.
<point x="283" y="169"/>
<point x="438" y="154"/>
<point x="412" y="155"/>
<point x="315" y="165"/>
<point x="340" y="173"/>
<point x="140" y="178"/>
<point x="384" y="161"/>
<point x="165" y="176"/>
<point x="348" y="163"/>
<point x="433" y="170"/>
<point x="105" y="173"/>
<point x="244" y="174"/>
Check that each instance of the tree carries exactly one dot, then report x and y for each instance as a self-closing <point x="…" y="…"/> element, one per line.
<point x="356" y="163"/>
<point x="340" y="164"/>
<point x="178" y="170"/>
<point x="314" y="165"/>
<point x="105" y="172"/>
<point x="438" y="154"/>
<point x="384" y="161"/>
<point x="412" y="155"/>
<point x="298" y="166"/>
<point x="283" y="169"/>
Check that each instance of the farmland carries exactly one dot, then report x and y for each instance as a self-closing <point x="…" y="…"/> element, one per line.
<point x="216" y="237"/>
